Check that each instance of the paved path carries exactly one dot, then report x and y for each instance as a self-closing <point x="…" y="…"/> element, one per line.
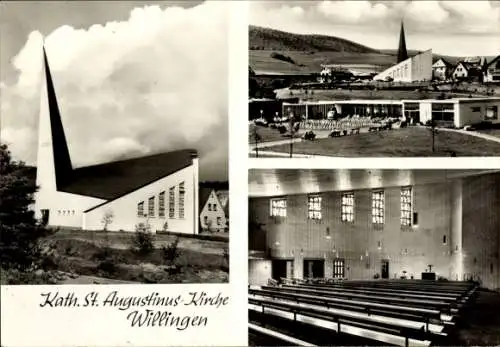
<point x="287" y="155"/>
<point x="274" y="143"/>
<point x="473" y="133"/>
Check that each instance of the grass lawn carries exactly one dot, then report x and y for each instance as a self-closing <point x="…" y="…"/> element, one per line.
<point x="266" y="134"/>
<point x="305" y="62"/>
<point x="407" y="142"/>
<point x="82" y="257"/>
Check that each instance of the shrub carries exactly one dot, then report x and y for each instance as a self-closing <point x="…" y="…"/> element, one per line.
<point x="171" y="252"/>
<point x="282" y="129"/>
<point x="107" y="266"/>
<point x="142" y="240"/>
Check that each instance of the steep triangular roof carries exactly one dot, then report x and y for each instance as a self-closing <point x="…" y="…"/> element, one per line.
<point x="62" y="160"/>
<point x="112" y="180"/>
<point x="402" y="52"/>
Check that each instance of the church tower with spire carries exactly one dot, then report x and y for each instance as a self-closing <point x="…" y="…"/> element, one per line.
<point x="402" y="53"/>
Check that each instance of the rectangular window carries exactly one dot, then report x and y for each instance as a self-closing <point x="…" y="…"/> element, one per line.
<point x="491" y="113"/>
<point x="444" y="239"/>
<point x="278" y="207"/>
<point x="151" y="207"/>
<point x="171" y="202"/>
<point x="182" y="193"/>
<point x="378" y="206"/>
<point x="338" y="268"/>
<point x="140" y="209"/>
<point x="443" y="112"/>
<point x="406" y="206"/>
<point x="314" y="207"/>
<point x="219" y="221"/>
<point x="161" y="205"/>
<point x="348" y="207"/>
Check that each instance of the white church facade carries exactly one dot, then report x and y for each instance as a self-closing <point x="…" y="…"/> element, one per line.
<point x="160" y="190"/>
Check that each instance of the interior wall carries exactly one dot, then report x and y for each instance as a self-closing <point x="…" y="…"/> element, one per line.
<point x="259" y="271"/>
<point x="481" y="229"/>
<point x="409" y="249"/>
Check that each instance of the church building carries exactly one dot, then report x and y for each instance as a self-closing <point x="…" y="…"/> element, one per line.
<point x="160" y="190"/>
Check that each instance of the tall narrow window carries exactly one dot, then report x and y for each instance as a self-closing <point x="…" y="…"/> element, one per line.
<point x="348" y="207"/>
<point x="406" y="208"/>
<point x="338" y="268"/>
<point x="161" y="205"/>
<point x="314" y="207"/>
<point x="278" y="207"/>
<point x="151" y="206"/>
<point x="182" y="193"/>
<point x="171" y="202"/>
<point x="378" y="206"/>
<point x="140" y="209"/>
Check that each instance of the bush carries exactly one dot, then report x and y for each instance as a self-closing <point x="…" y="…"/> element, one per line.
<point x="142" y="240"/>
<point x="107" y="266"/>
<point x="171" y="252"/>
<point x="281" y="129"/>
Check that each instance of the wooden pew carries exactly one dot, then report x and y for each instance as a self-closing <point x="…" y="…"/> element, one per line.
<point x="278" y="336"/>
<point x="366" y="327"/>
<point x="430" y="318"/>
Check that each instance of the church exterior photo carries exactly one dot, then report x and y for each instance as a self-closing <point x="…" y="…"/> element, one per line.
<point x="160" y="190"/>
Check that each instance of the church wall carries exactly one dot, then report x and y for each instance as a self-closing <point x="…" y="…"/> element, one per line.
<point x="125" y="211"/>
<point x="417" y="68"/>
<point x="481" y="229"/>
<point x="65" y="209"/>
<point x="409" y="249"/>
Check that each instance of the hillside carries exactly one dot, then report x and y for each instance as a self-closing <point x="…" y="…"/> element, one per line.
<point x="271" y="39"/>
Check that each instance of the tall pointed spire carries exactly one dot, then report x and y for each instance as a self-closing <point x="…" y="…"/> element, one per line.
<point x="402" y="53"/>
<point x="62" y="160"/>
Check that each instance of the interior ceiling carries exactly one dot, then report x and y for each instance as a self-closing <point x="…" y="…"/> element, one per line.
<point x="276" y="182"/>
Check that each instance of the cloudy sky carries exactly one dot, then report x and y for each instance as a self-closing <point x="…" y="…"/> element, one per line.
<point x="132" y="78"/>
<point x="459" y="28"/>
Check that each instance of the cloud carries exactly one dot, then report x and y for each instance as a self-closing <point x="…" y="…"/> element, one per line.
<point x="155" y="82"/>
<point x="449" y="27"/>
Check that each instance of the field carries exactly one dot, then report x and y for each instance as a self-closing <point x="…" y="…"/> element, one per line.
<point x="407" y="142"/>
<point x="85" y="257"/>
<point x="310" y="62"/>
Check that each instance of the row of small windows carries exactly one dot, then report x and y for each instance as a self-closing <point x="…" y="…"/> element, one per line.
<point x="279" y="206"/>
<point x="212" y="207"/>
<point x="161" y="204"/>
<point x="66" y="212"/>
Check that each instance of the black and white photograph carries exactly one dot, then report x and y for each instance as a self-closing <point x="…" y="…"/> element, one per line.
<point x="374" y="257"/>
<point x="374" y="79"/>
<point x="114" y="142"/>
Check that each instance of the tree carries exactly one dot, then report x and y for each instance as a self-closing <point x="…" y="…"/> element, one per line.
<point x="107" y="219"/>
<point x="20" y="232"/>
<point x="257" y="138"/>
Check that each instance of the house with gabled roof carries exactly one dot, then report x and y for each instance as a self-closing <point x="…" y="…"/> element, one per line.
<point x="214" y="215"/>
<point x="160" y="190"/>
<point x="492" y="70"/>
<point x="441" y="69"/>
<point x="467" y="71"/>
